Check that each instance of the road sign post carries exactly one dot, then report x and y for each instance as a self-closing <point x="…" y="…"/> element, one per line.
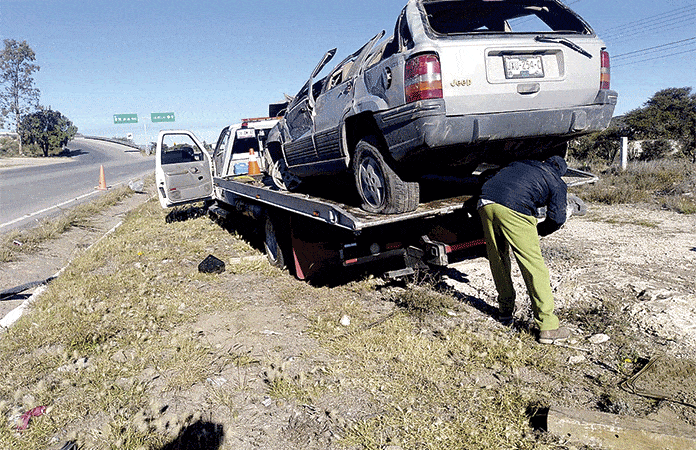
<point x="162" y="117"/>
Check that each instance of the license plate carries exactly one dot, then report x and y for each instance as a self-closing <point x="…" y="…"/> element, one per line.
<point x="519" y="66"/>
<point x="245" y="133"/>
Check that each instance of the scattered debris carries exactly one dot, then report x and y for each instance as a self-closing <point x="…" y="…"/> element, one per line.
<point x="576" y="359"/>
<point x="136" y="185"/>
<point x="70" y="445"/>
<point x="26" y="417"/>
<point x="665" y="378"/>
<point x="270" y="333"/>
<point x="217" y="381"/>
<point x="598" y="338"/>
<point x="617" y="432"/>
<point x="24" y="287"/>
<point x="211" y="264"/>
<point x="345" y="320"/>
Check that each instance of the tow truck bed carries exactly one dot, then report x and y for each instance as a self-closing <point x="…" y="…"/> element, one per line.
<point x="343" y="216"/>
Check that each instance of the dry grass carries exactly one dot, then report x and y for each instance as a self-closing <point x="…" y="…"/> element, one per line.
<point x="668" y="184"/>
<point x="115" y="335"/>
<point x="111" y="317"/>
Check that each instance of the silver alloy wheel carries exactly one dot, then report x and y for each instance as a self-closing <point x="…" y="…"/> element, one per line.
<point x="372" y="181"/>
<point x="283" y="179"/>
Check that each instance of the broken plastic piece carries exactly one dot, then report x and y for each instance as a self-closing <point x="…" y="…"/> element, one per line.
<point x="211" y="264"/>
<point x="26" y="417"/>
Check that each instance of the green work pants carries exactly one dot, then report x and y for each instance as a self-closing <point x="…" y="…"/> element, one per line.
<point x="503" y="229"/>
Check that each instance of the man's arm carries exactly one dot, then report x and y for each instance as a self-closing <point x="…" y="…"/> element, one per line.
<point x="556" y="209"/>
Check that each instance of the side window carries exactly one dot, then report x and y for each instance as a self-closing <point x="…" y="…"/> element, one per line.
<point x="406" y="39"/>
<point x="220" y="155"/>
<point x="222" y="142"/>
<point x="180" y="148"/>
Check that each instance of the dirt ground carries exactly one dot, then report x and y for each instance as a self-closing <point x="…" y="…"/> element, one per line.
<point x="632" y="262"/>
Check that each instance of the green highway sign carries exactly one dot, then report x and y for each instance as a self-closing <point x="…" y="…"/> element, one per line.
<point x="162" y="117"/>
<point x="125" y="118"/>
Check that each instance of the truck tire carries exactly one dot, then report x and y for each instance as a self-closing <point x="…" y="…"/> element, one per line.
<point x="380" y="188"/>
<point x="273" y="244"/>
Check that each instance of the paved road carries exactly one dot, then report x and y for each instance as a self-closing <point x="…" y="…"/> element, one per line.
<point x="44" y="187"/>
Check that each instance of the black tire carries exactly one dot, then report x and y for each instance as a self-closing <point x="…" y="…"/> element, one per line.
<point x="273" y="244"/>
<point x="380" y="188"/>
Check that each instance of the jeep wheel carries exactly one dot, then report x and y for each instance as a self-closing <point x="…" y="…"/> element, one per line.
<point x="380" y="188"/>
<point x="282" y="178"/>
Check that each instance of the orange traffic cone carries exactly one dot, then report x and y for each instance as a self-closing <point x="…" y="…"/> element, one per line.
<point x="102" y="179"/>
<point x="253" y="163"/>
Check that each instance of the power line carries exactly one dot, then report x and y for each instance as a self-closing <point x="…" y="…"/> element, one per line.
<point x="646" y="29"/>
<point x="628" y="63"/>
<point x="650" y="49"/>
<point x="649" y="20"/>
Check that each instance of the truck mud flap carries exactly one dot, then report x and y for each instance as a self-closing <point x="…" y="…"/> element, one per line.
<point x="312" y="258"/>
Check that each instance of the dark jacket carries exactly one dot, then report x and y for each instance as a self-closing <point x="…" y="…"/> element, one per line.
<point x="524" y="186"/>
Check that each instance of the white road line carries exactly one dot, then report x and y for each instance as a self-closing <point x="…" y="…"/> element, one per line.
<point x="27" y="216"/>
<point x="14" y="315"/>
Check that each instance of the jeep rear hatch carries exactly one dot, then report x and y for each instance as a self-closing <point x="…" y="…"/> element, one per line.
<point x="500" y="56"/>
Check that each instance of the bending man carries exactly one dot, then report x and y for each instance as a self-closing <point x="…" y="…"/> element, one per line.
<point x="507" y="206"/>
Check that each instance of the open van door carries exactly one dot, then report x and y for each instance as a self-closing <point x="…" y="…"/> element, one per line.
<point x="183" y="170"/>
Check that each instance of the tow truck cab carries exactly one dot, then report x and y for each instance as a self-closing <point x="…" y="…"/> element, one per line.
<point x="185" y="166"/>
<point x="233" y="147"/>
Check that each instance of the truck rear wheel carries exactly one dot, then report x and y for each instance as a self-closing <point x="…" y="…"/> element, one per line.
<point x="273" y="244"/>
<point x="381" y="189"/>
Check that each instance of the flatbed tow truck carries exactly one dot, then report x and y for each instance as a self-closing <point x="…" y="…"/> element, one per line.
<point x="313" y="235"/>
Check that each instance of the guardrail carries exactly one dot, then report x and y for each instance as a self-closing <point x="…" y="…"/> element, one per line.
<point x="116" y="141"/>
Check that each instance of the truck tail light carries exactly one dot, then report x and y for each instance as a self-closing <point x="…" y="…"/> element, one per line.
<point x="422" y="77"/>
<point x="605" y="72"/>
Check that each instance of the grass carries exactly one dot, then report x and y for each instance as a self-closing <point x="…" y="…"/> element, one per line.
<point x="114" y="339"/>
<point x="669" y="184"/>
<point x="112" y="316"/>
<point x="436" y="393"/>
<point x="26" y="241"/>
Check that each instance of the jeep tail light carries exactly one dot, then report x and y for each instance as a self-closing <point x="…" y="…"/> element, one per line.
<point x="604" y="72"/>
<point x="422" y="78"/>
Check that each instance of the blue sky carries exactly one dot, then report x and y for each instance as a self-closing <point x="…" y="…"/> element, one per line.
<point x="213" y="63"/>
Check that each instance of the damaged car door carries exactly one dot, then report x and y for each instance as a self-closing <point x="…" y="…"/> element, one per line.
<point x="183" y="170"/>
<point x="298" y="140"/>
<point x="332" y="106"/>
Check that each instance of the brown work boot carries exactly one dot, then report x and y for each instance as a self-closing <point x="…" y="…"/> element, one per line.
<point x="552" y="336"/>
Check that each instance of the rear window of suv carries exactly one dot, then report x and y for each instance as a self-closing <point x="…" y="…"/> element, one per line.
<point x="501" y="16"/>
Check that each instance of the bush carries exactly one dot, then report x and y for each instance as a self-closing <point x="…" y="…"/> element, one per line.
<point x="668" y="183"/>
<point x="8" y="146"/>
<point x="601" y="146"/>
<point x="655" y="149"/>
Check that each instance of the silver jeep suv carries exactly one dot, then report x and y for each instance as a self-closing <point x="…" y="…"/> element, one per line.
<point x="460" y="83"/>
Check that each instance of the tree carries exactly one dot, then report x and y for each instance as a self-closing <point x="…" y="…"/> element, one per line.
<point x="19" y="95"/>
<point x="603" y="145"/>
<point x="48" y="129"/>
<point x="668" y="114"/>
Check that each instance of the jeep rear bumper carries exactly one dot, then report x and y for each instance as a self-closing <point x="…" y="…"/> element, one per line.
<point x="424" y="125"/>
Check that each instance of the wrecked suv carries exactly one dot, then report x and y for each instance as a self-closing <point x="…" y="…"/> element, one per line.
<point x="459" y="83"/>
